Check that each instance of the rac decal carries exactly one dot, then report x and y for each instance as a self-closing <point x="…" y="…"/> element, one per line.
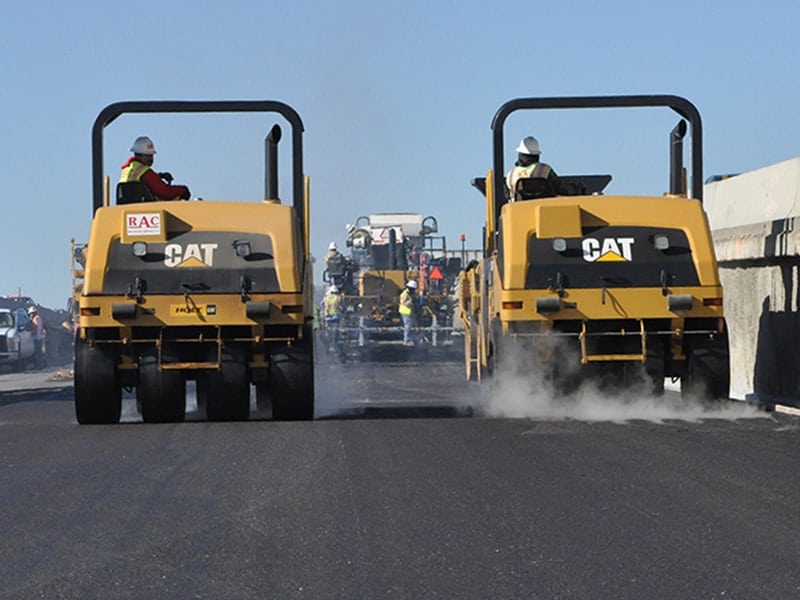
<point x="193" y="255"/>
<point x="608" y="249"/>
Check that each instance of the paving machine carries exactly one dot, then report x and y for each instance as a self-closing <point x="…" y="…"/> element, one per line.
<point x="387" y="250"/>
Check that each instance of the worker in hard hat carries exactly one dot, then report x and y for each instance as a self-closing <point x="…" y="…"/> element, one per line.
<point x="332" y="304"/>
<point x="331" y="312"/>
<point x="39" y="334"/>
<point x="333" y="254"/>
<point x="406" y="310"/>
<point x="139" y="168"/>
<point x="528" y="165"/>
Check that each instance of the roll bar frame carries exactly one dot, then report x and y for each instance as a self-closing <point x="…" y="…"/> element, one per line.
<point x="680" y="105"/>
<point x="112" y="111"/>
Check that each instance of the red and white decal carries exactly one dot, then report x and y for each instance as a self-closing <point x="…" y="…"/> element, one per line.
<point x="143" y="223"/>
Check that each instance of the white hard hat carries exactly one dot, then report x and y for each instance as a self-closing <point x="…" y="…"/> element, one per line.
<point x="32" y="310"/>
<point x="411" y="284"/>
<point x="529" y="145"/>
<point x="143" y="145"/>
<point x="333" y="290"/>
<point x="332" y="246"/>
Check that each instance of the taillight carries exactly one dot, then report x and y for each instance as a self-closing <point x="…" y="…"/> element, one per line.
<point x="512" y="305"/>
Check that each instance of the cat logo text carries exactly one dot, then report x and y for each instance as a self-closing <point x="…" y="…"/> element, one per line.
<point x="608" y="249"/>
<point x="193" y="255"/>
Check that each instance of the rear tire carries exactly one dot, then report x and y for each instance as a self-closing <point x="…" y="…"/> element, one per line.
<point x="708" y="368"/>
<point x="98" y="395"/>
<point x="263" y="396"/>
<point x="161" y="394"/>
<point x="227" y="390"/>
<point x="292" y="378"/>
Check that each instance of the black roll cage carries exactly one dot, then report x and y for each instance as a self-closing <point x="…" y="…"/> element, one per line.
<point x="112" y="111"/>
<point x="680" y="105"/>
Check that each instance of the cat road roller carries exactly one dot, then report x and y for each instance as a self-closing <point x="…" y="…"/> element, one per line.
<point x="576" y="285"/>
<point x="214" y="291"/>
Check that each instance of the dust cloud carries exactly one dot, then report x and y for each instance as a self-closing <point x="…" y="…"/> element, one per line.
<point x="524" y="390"/>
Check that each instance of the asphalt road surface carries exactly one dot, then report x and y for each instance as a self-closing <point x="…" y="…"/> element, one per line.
<point x="619" y="499"/>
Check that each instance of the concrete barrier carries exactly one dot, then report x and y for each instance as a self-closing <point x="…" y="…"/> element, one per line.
<point x="755" y="221"/>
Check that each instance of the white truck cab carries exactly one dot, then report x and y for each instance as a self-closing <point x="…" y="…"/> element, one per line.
<point x="16" y="338"/>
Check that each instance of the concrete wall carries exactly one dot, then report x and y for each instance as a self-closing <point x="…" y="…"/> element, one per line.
<point x="766" y="194"/>
<point x="757" y="240"/>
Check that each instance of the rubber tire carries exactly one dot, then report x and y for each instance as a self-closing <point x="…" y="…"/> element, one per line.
<point x="98" y="394"/>
<point x="263" y="396"/>
<point x="161" y="394"/>
<point x="292" y="379"/>
<point x="227" y="390"/>
<point x="708" y="369"/>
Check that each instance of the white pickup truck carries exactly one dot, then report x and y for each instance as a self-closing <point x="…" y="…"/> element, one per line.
<point x="16" y="339"/>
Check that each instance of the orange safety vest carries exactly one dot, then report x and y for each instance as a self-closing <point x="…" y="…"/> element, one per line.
<point x="37" y="327"/>
<point x="133" y="172"/>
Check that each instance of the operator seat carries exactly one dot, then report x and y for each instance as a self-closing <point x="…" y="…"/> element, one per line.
<point x="532" y="188"/>
<point x="131" y="192"/>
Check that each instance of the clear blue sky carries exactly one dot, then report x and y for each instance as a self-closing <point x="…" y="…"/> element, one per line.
<point x="396" y="97"/>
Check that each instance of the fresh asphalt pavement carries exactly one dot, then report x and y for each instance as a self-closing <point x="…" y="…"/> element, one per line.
<point x="396" y="503"/>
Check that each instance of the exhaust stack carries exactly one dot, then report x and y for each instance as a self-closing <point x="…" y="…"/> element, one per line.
<point x="677" y="178"/>
<point x="393" y="262"/>
<point x="271" y="163"/>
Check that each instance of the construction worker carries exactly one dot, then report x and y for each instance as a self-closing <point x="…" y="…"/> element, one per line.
<point x="331" y="312"/>
<point x="39" y="333"/>
<point x="332" y="304"/>
<point x="333" y="254"/>
<point x="406" y="310"/>
<point x="529" y="166"/>
<point x="138" y="168"/>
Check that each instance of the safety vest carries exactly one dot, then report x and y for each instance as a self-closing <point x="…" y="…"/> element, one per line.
<point x="405" y="303"/>
<point x="133" y="172"/>
<point x="536" y="169"/>
<point x="331" y="305"/>
<point x="332" y="254"/>
<point x="37" y="327"/>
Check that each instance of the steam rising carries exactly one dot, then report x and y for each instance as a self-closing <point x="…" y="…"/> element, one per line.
<point x="523" y="388"/>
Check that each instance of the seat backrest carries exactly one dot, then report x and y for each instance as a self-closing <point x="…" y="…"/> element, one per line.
<point x="531" y="188"/>
<point x="130" y="192"/>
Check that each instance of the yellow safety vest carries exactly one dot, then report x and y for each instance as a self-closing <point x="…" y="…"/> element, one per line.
<point x="331" y="305"/>
<point x="405" y="303"/>
<point x="133" y="172"/>
<point x="537" y="169"/>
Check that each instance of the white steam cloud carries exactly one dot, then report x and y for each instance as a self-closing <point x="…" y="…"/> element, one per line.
<point x="521" y="388"/>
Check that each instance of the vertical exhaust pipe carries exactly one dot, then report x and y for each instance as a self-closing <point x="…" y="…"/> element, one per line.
<point x="676" y="176"/>
<point x="392" y="249"/>
<point x="271" y="163"/>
